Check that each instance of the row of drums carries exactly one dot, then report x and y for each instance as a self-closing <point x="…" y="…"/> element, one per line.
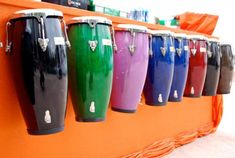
<point x="105" y="65"/>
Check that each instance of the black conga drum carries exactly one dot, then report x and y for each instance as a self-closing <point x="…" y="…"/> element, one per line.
<point x="36" y="45"/>
<point x="226" y="70"/>
<point x="81" y="4"/>
<point x="213" y="67"/>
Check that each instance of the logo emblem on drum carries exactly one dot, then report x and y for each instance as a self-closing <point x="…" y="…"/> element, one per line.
<point x="47" y="117"/>
<point x="209" y="53"/>
<point x="132" y="49"/>
<point x="192" y="91"/>
<point x="92" y="107"/>
<point x="163" y="50"/>
<point x="93" y="44"/>
<point x="175" y="94"/>
<point x="179" y="50"/>
<point x="194" y="51"/>
<point x="43" y="42"/>
<point x="160" y="98"/>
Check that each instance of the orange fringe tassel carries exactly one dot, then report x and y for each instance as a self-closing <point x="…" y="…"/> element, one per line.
<point x="163" y="147"/>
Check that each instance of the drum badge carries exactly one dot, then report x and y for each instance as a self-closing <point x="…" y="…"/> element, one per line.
<point x="163" y="50"/>
<point x="132" y="48"/>
<point x="194" y="51"/>
<point x="160" y="98"/>
<point x="93" y="44"/>
<point x="192" y="91"/>
<point x="43" y="42"/>
<point x="209" y="53"/>
<point x="175" y="94"/>
<point x="92" y="107"/>
<point x="47" y="117"/>
<point x="178" y="50"/>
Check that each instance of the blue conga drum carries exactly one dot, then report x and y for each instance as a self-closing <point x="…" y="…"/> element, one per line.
<point x="160" y="68"/>
<point x="180" y="68"/>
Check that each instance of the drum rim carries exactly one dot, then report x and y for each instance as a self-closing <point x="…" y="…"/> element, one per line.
<point x="180" y="35"/>
<point x="87" y="19"/>
<point x="214" y="40"/>
<point x="37" y="13"/>
<point x="133" y="27"/>
<point x="198" y="37"/>
<point x="161" y="32"/>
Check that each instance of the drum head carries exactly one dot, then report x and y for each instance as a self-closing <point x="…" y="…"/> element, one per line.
<point x="37" y="13"/>
<point x="180" y="35"/>
<point x="197" y="37"/>
<point x="90" y="20"/>
<point x="161" y="32"/>
<point x="131" y="27"/>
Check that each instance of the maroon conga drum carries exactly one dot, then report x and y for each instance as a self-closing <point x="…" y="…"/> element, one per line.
<point x="197" y="66"/>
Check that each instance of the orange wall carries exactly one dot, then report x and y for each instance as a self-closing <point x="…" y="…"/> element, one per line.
<point x="119" y="135"/>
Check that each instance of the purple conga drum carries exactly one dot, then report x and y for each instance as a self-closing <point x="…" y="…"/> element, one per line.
<point x="130" y="67"/>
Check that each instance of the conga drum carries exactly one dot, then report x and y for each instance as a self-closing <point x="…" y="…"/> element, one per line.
<point x="82" y="4"/>
<point x="130" y="67"/>
<point x="36" y="47"/>
<point x="213" y="67"/>
<point x="180" y="68"/>
<point x="197" y="66"/>
<point x="160" y="68"/>
<point x="90" y="67"/>
<point x="226" y="69"/>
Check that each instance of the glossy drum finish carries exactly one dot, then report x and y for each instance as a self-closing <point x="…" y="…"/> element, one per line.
<point x="90" y="70"/>
<point x="180" y="68"/>
<point x="129" y="70"/>
<point x="40" y="76"/>
<point x="197" y="68"/>
<point x="213" y="69"/>
<point x="160" y="70"/>
<point x="226" y="70"/>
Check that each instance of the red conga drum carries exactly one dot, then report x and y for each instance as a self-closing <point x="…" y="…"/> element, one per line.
<point x="197" y="66"/>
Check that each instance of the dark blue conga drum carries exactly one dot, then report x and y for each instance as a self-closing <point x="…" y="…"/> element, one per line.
<point x="213" y="67"/>
<point x="180" y="67"/>
<point x="160" y="68"/>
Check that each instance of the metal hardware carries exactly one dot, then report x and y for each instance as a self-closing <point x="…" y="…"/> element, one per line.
<point x="43" y="42"/>
<point x="66" y="35"/>
<point x="113" y="39"/>
<point x="179" y="50"/>
<point x="150" y="45"/>
<point x="132" y="46"/>
<point x="8" y="43"/>
<point x="194" y="50"/>
<point x="164" y="48"/>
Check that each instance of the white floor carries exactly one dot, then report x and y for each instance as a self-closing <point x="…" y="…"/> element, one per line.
<point x="218" y="145"/>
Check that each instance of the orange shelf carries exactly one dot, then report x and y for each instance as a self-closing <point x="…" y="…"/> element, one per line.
<point x="119" y="135"/>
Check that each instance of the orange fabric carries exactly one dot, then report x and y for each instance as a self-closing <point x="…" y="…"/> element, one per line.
<point x="203" y="23"/>
<point x="172" y="125"/>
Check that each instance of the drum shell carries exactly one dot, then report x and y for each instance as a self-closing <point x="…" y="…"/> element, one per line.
<point x="226" y="70"/>
<point x="180" y="70"/>
<point x="82" y="4"/>
<point x="160" y="72"/>
<point x="197" y="69"/>
<point x="40" y="77"/>
<point x="213" y="70"/>
<point x="90" y="72"/>
<point x="129" y="71"/>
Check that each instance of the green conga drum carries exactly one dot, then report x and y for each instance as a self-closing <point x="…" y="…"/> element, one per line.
<point x="90" y="67"/>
